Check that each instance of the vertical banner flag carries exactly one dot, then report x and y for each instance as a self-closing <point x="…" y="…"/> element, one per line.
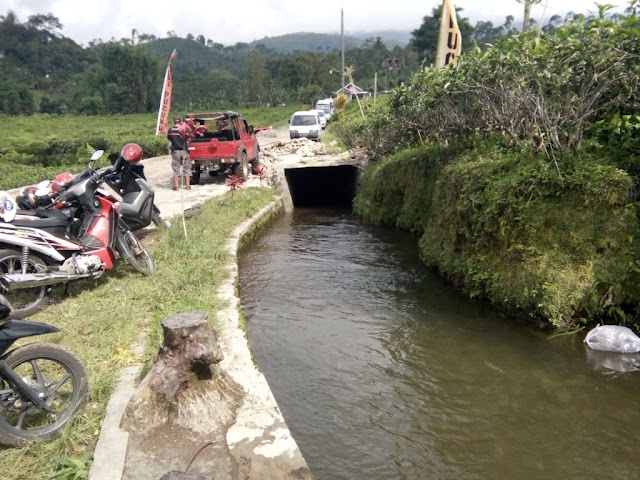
<point x="449" y="39"/>
<point x="165" y="100"/>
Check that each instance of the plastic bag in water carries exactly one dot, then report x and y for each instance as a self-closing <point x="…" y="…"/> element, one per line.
<point x="613" y="338"/>
<point x="609" y="362"/>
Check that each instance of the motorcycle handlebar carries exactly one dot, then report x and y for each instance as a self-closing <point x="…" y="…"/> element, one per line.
<point x="90" y="174"/>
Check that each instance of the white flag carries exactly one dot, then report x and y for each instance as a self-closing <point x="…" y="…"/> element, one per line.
<point x="449" y="39"/>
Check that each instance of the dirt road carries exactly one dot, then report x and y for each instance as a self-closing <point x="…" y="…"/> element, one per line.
<point x="275" y="147"/>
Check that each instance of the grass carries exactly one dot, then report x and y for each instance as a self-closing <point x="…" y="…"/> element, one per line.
<point x="100" y="321"/>
<point x="332" y="143"/>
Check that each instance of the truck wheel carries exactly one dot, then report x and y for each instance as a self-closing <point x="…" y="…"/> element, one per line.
<point x="195" y="177"/>
<point x="241" y="168"/>
<point x="256" y="161"/>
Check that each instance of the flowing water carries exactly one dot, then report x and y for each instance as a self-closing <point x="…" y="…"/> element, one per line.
<point x="383" y="371"/>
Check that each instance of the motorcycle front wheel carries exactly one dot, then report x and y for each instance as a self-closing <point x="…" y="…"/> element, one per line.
<point x="136" y="254"/>
<point x="24" y="301"/>
<point x="57" y="376"/>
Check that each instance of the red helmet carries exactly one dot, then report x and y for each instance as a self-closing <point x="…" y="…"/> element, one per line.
<point x="132" y="152"/>
<point x="61" y="180"/>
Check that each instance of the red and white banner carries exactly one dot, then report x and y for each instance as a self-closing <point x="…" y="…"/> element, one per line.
<point x="165" y="100"/>
<point x="449" y="38"/>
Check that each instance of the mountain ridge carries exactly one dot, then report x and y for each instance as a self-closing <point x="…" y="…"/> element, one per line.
<point x="290" y="43"/>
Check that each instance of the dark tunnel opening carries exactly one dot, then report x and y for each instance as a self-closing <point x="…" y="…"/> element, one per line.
<point x="322" y="186"/>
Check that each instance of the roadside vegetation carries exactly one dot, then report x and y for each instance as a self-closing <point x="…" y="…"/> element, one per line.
<point x="518" y="169"/>
<point x="101" y="321"/>
<point x="40" y="146"/>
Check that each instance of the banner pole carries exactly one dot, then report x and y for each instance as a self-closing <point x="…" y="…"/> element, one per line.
<point x="165" y="99"/>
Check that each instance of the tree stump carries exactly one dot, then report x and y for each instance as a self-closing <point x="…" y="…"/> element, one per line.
<point x="184" y="386"/>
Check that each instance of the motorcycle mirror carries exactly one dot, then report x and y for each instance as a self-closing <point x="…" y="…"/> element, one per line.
<point x="97" y="154"/>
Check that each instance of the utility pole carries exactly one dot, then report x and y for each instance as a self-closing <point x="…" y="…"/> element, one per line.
<point x="342" y="34"/>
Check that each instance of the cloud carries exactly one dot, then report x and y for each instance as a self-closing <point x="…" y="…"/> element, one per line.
<point x="230" y="23"/>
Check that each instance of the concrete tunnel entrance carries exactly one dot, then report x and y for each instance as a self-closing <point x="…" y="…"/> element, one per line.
<point x="333" y="186"/>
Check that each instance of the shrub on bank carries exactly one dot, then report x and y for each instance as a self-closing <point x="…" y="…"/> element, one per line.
<point x="508" y="228"/>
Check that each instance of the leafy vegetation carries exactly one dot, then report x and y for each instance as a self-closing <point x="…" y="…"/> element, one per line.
<point x="536" y="91"/>
<point x="44" y="72"/>
<point x="101" y="321"/>
<point x="518" y="169"/>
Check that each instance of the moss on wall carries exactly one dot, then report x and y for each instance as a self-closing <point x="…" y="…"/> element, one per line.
<point x="511" y="229"/>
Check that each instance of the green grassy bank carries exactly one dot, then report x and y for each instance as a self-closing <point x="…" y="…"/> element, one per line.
<point x="101" y="320"/>
<point x="560" y="249"/>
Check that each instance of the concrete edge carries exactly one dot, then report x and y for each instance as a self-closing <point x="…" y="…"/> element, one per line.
<point x="111" y="449"/>
<point x="259" y="431"/>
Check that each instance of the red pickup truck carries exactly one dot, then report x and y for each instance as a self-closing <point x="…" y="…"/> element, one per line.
<point x="222" y="142"/>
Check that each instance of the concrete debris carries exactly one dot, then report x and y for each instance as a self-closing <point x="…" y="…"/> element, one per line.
<point x="302" y="147"/>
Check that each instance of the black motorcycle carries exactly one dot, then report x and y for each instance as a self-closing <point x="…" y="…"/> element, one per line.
<point x="131" y="184"/>
<point x="41" y="384"/>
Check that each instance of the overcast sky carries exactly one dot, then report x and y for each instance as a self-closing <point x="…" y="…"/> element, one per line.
<point x="229" y="22"/>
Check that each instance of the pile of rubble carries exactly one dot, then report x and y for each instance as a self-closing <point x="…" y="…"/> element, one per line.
<point x="303" y="147"/>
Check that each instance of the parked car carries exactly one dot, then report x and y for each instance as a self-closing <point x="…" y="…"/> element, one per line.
<point x="323" y="119"/>
<point x="305" y="124"/>
<point x="327" y="105"/>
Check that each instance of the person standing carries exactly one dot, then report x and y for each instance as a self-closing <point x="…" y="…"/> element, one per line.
<point x="180" y="161"/>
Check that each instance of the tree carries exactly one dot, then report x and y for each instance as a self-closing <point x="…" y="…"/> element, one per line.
<point x="309" y="93"/>
<point x="527" y="13"/>
<point x="241" y="47"/>
<point x="554" y="22"/>
<point x="129" y="79"/>
<point x="47" y="22"/>
<point x="15" y="99"/>
<point x="256" y="73"/>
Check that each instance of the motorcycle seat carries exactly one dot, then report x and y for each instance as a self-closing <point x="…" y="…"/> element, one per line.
<point x="54" y="221"/>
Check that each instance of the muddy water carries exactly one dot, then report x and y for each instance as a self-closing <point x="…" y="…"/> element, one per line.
<point x="382" y="371"/>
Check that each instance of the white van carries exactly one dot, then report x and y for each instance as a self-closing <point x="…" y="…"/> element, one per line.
<point x="305" y="124"/>
<point x="327" y="106"/>
<point x="323" y="119"/>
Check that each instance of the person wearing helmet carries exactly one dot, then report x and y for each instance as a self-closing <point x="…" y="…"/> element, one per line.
<point x="180" y="161"/>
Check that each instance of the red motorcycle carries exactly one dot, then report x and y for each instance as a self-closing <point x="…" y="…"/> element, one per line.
<point x="71" y="234"/>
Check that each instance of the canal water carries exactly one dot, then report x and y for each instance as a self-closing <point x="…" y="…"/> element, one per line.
<point x="383" y="371"/>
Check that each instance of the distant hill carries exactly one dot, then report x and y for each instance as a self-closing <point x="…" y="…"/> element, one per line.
<point x="390" y="38"/>
<point x="327" y="42"/>
<point x="305" y="41"/>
